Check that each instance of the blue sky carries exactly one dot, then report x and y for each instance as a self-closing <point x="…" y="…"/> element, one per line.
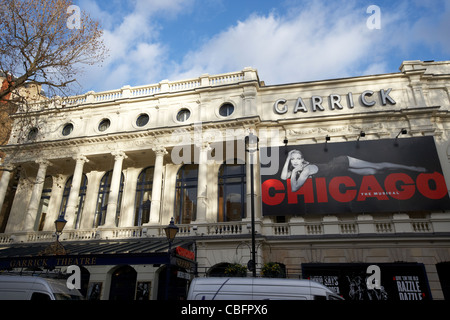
<point x="286" y="40"/>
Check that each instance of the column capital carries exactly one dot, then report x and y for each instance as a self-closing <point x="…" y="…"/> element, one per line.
<point x="203" y="145"/>
<point x="8" y="167"/>
<point x="43" y="163"/>
<point x="81" y="158"/>
<point x="119" y="155"/>
<point x="160" y="150"/>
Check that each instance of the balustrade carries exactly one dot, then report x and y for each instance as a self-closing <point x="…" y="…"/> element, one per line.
<point x="228" y="228"/>
<point x="313" y="229"/>
<point x="141" y="91"/>
<point x="384" y="227"/>
<point x="286" y="229"/>
<point x="349" y="228"/>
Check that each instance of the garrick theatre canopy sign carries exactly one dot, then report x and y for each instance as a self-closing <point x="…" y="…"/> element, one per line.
<point x="349" y="172"/>
<point x="98" y="253"/>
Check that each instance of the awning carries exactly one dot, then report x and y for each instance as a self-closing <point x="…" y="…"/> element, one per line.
<point x="89" y="253"/>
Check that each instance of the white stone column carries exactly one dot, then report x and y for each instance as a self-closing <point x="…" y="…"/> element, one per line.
<point x="127" y="214"/>
<point x="33" y="206"/>
<point x="110" y="220"/>
<point x="90" y="203"/>
<point x="157" y="184"/>
<point x="55" y="201"/>
<point x="202" y="183"/>
<point x="6" y="176"/>
<point x="75" y="191"/>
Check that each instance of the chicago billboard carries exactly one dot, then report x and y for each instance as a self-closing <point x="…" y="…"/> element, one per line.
<point x="388" y="175"/>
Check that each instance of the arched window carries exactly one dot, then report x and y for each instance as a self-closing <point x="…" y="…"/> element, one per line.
<point x="102" y="199"/>
<point x="43" y="204"/>
<point x="81" y="198"/>
<point x="123" y="283"/>
<point x="186" y="194"/>
<point x="231" y="193"/>
<point x="218" y="270"/>
<point x="143" y="196"/>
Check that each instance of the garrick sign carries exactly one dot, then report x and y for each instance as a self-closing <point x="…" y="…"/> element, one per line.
<point x="335" y="102"/>
<point x="45" y="262"/>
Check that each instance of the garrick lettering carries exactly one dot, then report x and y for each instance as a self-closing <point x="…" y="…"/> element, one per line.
<point x="334" y="102"/>
<point x="45" y="262"/>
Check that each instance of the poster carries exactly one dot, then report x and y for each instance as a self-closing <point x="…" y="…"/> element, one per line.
<point x="143" y="290"/>
<point x="94" y="291"/>
<point x="388" y="175"/>
<point x="398" y="281"/>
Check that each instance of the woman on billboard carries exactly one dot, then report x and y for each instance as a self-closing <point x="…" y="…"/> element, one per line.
<point x="299" y="170"/>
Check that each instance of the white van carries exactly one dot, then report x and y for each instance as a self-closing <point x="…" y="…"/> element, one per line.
<point x="14" y="287"/>
<point x="258" y="289"/>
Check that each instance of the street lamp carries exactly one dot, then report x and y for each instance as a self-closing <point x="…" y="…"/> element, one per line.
<point x="171" y="231"/>
<point x="60" y="223"/>
<point x="56" y="248"/>
<point x="251" y="146"/>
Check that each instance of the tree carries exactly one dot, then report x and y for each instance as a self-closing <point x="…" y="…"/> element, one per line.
<point x="44" y="44"/>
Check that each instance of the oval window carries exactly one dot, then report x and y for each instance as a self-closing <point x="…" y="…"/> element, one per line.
<point x="142" y="120"/>
<point x="32" y="134"/>
<point x="226" y="109"/>
<point x="104" y="124"/>
<point x="183" y="115"/>
<point x="68" y="128"/>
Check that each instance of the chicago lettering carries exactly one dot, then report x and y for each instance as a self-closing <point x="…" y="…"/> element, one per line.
<point x="399" y="186"/>
<point x="335" y="102"/>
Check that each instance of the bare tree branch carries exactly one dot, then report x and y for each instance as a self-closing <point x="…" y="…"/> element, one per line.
<point x="36" y="44"/>
<point x="38" y="50"/>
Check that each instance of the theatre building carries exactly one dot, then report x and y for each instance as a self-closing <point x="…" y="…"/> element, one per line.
<point x="350" y="184"/>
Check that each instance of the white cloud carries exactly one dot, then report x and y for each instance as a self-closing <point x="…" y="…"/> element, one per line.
<point x="320" y="41"/>
<point x="136" y="54"/>
<point x="376" y="68"/>
<point x="303" y="41"/>
<point x="169" y="8"/>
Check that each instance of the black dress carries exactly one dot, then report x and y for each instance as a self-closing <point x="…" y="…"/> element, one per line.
<point x="337" y="166"/>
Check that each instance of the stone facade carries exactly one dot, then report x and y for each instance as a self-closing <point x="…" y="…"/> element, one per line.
<point x="203" y="122"/>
